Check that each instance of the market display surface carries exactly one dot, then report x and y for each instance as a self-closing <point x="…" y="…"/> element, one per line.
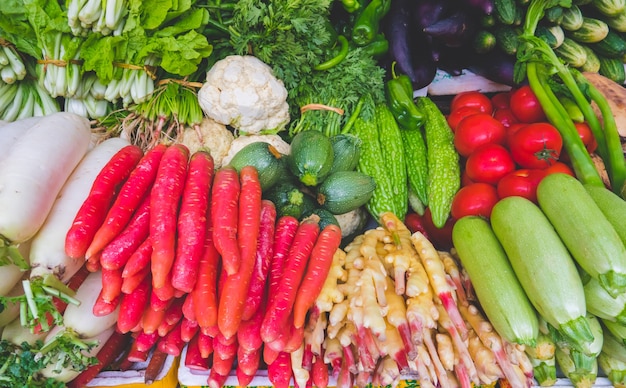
<point x="271" y="193"/>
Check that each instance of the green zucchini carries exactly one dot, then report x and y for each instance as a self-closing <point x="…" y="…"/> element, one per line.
<point x="588" y="235"/>
<point x="288" y="199"/>
<point x="614" y="369"/>
<point x="609" y="7"/>
<point x="344" y="191"/>
<point x="581" y="369"/>
<point x="311" y="157"/>
<point x="603" y="305"/>
<point x="612" y="206"/>
<point x="498" y="290"/>
<point x="591" y="31"/>
<point x="612" y="46"/>
<point x="265" y="158"/>
<point x="544" y="267"/>
<point x="572" y="18"/>
<point x="613" y="346"/>
<point x="326" y="217"/>
<point x="346" y="152"/>
<point x="571" y="52"/>
<point x="612" y="68"/>
<point x="444" y="170"/>
<point x="617" y="329"/>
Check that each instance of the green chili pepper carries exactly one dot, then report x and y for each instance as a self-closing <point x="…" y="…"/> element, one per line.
<point x="351" y="6"/>
<point x="343" y="52"/>
<point x="378" y="47"/>
<point x="367" y="23"/>
<point x="399" y="94"/>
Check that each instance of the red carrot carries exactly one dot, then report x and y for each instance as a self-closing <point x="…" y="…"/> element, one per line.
<point x="189" y="310"/>
<point x="145" y="341"/>
<point x="243" y="379"/>
<point x="131" y="282"/>
<point x="166" y="291"/>
<point x="116" y="253"/>
<point x="155" y="366"/>
<point x="139" y="260"/>
<point x="157" y="303"/>
<point x="93" y="211"/>
<point x="111" y="284"/>
<point x="102" y="307"/>
<point x="248" y="361"/>
<point x="173" y="316"/>
<point x="205" y="343"/>
<point x="279" y="372"/>
<point x="215" y="379"/>
<point x="236" y="286"/>
<point x="191" y="221"/>
<point x="296" y="337"/>
<point x="278" y="311"/>
<point x="193" y="356"/>
<point x="131" y="193"/>
<point x="264" y="253"/>
<point x="164" y="203"/>
<point x="132" y="306"/>
<point x="317" y="270"/>
<point x="115" y="345"/>
<point x="286" y="228"/>
<point x="188" y="329"/>
<point x="172" y="343"/>
<point x="135" y="355"/>
<point x="225" y="195"/>
<point x="319" y="372"/>
<point x="249" y="333"/>
<point x="204" y="293"/>
<point x="223" y="363"/>
<point x="151" y="320"/>
<point x="269" y="355"/>
<point x="93" y="263"/>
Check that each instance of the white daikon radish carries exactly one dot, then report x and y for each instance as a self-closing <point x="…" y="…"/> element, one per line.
<point x="35" y="168"/>
<point x="16" y="333"/>
<point x="9" y="132"/>
<point x="11" y="274"/>
<point x="80" y="318"/>
<point x="11" y="309"/>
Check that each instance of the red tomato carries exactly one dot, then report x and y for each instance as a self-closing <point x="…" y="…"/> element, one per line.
<point x="465" y="179"/>
<point x="537" y="145"/>
<point x="456" y="116"/>
<point x="559" y="167"/>
<point x="505" y="116"/>
<point x="477" y="130"/>
<point x="589" y="141"/>
<point x="476" y="199"/>
<point x="526" y="106"/>
<point x="510" y="131"/>
<point x="472" y="98"/>
<point x="522" y="183"/>
<point x="501" y="100"/>
<point x="489" y="163"/>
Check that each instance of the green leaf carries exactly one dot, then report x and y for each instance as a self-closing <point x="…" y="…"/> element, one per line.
<point x="180" y="55"/>
<point x="154" y="13"/>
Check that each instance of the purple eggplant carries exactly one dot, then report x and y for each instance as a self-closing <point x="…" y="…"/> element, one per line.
<point x="427" y="12"/>
<point x="484" y="6"/>
<point x="409" y="47"/>
<point x="496" y="66"/>
<point x="454" y="30"/>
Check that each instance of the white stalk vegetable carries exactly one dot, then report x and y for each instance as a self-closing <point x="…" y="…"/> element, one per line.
<point x="28" y="103"/>
<point x="16" y="63"/>
<point x="8" y="75"/>
<point x="4" y="61"/>
<point x="65" y="373"/>
<point x="34" y="170"/>
<point x="80" y="318"/>
<point x="11" y="113"/>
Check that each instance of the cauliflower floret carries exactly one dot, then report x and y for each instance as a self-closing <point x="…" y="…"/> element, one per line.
<point x="242" y="91"/>
<point x="281" y="146"/>
<point x="210" y="136"/>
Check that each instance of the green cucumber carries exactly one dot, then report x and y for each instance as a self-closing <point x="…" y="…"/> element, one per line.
<point x="612" y="206"/>
<point x="572" y="18"/>
<point x="610" y="7"/>
<point x="612" y="46"/>
<point x="571" y="52"/>
<point x="544" y="267"/>
<point x="588" y="235"/>
<point x="346" y="150"/>
<point x="344" y="191"/>
<point x="592" y="30"/>
<point x="265" y="158"/>
<point x="499" y="292"/>
<point x="592" y="62"/>
<point x="612" y="68"/>
<point x="505" y="11"/>
<point x="311" y="157"/>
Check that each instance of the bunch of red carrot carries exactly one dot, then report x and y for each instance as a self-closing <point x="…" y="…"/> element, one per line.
<point x="195" y="256"/>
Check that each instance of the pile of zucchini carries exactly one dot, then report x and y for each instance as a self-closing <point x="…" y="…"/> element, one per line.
<point x="590" y="35"/>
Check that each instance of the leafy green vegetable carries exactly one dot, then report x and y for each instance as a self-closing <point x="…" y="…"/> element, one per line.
<point x="19" y="366"/>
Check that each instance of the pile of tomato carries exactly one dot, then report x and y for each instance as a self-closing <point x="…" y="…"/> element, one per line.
<point x="506" y="146"/>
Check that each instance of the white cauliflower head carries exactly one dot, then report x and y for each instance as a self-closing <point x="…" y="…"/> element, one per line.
<point x="242" y="91"/>
<point x="209" y="136"/>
